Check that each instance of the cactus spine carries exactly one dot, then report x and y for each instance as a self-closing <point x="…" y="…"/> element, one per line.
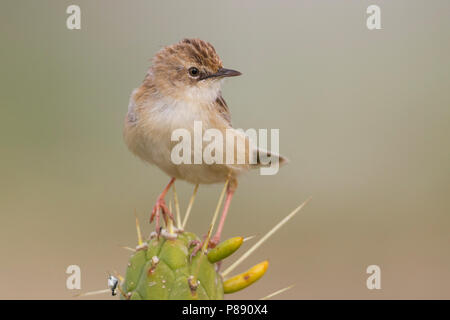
<point x="164" y="266"/>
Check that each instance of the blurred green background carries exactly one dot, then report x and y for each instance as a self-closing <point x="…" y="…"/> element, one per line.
<point x="364" y="117"/>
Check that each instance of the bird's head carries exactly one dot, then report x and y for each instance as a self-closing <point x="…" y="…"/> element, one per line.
<point x="190" y="69"/>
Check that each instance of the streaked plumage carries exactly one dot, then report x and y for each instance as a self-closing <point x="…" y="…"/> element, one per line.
<point x="183" y="85"/>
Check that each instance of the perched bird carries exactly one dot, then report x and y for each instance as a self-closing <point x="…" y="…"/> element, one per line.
<point x="183" y="85"/>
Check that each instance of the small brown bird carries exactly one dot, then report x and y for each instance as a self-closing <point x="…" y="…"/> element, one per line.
<point x="182" y="86"/>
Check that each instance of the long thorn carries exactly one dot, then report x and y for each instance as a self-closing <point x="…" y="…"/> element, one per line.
<point x="249" y="238"/>
<point x="177" y="206"/>
<point x="169" y="221"/>
<point x="273" y="294"/>
<point x="128" y="248"/>
<point x="138" y="228"/>
<point x="188" y="210"/>
<point x="93" y="293"/>
<point x="211" y="227"/>
<point x="216" y="214"/>
<point x="263" y="239"/>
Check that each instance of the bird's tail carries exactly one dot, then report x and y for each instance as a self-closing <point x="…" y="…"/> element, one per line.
<point x="266" y="158"/>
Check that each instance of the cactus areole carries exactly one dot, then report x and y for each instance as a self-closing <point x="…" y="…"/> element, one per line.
<point x="170" y="266"/>
<point x="162" y="269"/>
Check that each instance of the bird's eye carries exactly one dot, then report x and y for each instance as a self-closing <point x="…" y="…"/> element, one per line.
<point x="193" y="72"/>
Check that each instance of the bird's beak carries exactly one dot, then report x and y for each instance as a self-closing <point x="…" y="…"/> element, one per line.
<point x="222" y="72"/>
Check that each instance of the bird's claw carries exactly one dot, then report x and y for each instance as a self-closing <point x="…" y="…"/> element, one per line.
<point x="197" y="246"/>
<point x="160" y="207"/>
<point x="213" y="242"/>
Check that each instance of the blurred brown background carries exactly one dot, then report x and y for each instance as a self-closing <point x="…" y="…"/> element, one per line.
<point x="363" y="116"/>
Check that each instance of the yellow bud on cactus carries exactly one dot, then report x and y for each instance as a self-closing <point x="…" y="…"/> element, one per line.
<point x="225" y="249"/>
<point x="243" y="280"/>
<point x="175" y="265"/>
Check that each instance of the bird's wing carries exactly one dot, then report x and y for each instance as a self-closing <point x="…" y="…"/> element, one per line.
<point x="252" y="156"/>
<point x="222" y="108"/>
<point x="247" y="154"/>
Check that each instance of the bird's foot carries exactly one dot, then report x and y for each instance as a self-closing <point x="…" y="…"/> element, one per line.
<point x="160" y="207"/>
<point x="213" y="242"/>
<point x="197" y="244"/>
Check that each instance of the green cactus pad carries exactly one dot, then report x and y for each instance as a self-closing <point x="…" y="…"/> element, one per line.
<point x="161" y="269"/>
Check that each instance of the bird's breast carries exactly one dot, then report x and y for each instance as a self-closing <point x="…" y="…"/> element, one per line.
<point x="153" y="136"/>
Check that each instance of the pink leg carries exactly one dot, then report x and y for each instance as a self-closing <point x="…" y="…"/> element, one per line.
<point x="161" y="205"/>
<point x="216" y="239"/>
